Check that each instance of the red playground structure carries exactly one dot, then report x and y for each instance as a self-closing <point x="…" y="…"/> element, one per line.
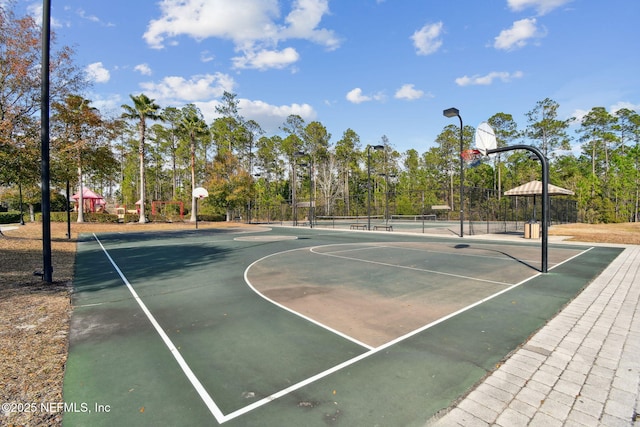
<point x="157" y="204"/>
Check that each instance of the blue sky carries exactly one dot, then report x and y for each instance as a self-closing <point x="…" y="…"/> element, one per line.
<point x="380" y="67"/>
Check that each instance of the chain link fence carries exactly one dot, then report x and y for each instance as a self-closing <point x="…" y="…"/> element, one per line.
<point x="485" y="210"/>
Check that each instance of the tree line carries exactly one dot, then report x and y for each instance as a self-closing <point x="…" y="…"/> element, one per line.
<point x="152" y="152"/>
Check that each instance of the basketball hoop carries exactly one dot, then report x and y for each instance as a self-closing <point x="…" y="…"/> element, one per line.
<point x="200" y="193"/>
<point x="472" y="158"/>
<point x="485" y="138"/>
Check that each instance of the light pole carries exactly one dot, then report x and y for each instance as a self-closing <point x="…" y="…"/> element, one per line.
<point x="311" y="214"/>
<point x="47" y="265"/>
<point x="369" y="147"/>
<point x="386" y="188"/>
<point x="312" y="196"/>
<point x="68" y="205"/>
<point x="294" y="173"/>
<point x="296" y="155"/>
<point x="454" y="112"/>
<point x="255" y="198"/>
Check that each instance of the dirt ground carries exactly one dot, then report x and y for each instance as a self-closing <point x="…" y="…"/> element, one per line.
<point x="35" y="316"/>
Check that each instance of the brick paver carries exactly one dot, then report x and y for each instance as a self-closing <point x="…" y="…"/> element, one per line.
<point x="581" y="369"/>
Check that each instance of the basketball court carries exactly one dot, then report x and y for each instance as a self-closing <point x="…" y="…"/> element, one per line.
<point x="296" y="326"/>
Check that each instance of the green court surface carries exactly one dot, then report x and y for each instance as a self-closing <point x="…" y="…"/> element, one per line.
<point x="297" y="326"/>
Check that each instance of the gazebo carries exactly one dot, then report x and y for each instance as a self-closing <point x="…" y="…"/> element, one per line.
<point x="533" y="189"/>
<point x="91" y="200"/>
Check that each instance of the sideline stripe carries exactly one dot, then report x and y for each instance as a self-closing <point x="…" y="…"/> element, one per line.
<point x="372" y="351"/>
<point x="213" y="408"/>
<point x="476" y="279"/>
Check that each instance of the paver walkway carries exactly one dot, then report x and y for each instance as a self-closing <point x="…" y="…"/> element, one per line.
<point x="581" y="369"/>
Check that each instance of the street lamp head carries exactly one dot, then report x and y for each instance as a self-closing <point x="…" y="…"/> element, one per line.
<point x="377" y="147"/>
<point x="451" y="112"/>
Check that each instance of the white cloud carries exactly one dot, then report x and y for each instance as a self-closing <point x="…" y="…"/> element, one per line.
<point x="409" y="92"/>
<point x="93" y="18"/>
<point x="97" y="72"/>
<point x="488" y="78"/>
<point x="109" y="105"/>
<point x="254" y="26"/>
<point x="518" y="35"/>
<point x="579" y="113"/>
<point x="427" y="39"/>
<point x="271" y="117"/>
<point x="357" y="97"/>
<point x="35" y="11"/>
<point x="303" y="21"/>
<point x="541" y="6"/>
<point x="237" y="20"/>
<point x="174" y="89"/>
<point x="623" y="104"/>
<point x="265" y="59"/>
<point x="206" y="56"/>
<point x="143" y="69"/>
<point x="83" y="14"/>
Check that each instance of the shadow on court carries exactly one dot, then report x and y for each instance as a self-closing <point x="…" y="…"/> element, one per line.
<point x="329" y="328"/>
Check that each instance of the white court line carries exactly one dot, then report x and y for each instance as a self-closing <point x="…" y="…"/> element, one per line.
<point x="505" y="257"/>
<point x="211" y="405"/>
<point x="334" y="331"/>
<point x="206" y="398"/>
<point x="375" y="350"/>
<point x="332" y="254"/>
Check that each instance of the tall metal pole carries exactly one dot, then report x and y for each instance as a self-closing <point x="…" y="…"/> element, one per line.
<point x="296" y="156"/>
<point x="196" y="209"/>
<point x="369" y="147"/>
<point x="454" y="112"/>
<point x="312" y="198"/>
<point x="461" y="181"/>
<point x="368" y="187"/>
<point x="68" y="204"/>
<point x="386" y="188"/>
<point x="545" y="197"/>
<point x="47" y="270"/>
<point x="293" y="191"/>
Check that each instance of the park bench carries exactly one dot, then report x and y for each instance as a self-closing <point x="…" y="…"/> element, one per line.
<point x="358" y="226"/>
<point x="383" y="227"/>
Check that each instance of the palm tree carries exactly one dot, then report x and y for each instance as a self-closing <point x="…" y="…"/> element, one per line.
<point x="143" y="109"/>
<point x="194" y="127"/>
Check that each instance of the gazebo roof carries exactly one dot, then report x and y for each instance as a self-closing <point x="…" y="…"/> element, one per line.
<point x="534" y="188"/>
<point x="87" y="194"/>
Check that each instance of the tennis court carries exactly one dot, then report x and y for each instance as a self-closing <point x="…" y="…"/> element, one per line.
<point x="295" y="326"/>
<point x="426" y="224"/>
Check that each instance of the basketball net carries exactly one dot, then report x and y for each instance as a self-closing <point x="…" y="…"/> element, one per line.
<point x="472" y="157"/>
